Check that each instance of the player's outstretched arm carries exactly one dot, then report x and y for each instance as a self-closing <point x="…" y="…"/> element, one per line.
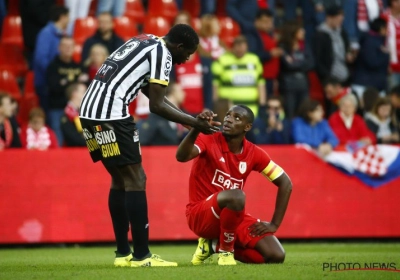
<point x="156" y="95"/>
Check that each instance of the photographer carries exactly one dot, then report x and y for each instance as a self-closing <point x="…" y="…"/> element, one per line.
<point x="271" y="127"/>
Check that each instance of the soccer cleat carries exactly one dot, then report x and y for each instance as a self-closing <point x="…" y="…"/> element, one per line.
<point x="226" y="258"/>
<point x="203" y="252"/>
<point x="123" y="261"/>
<point x="153" y="260"/>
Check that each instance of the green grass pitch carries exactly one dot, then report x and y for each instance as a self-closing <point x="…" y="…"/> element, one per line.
<point x="303" y="261"/>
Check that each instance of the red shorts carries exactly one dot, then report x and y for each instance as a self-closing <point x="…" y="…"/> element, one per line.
<point x="203" y="220"/>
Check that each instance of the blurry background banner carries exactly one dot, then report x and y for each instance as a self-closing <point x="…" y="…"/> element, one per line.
<point x="40" y="203"/>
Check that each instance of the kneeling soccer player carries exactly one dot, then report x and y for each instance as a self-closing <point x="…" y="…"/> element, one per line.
<point x="216" y="210"/>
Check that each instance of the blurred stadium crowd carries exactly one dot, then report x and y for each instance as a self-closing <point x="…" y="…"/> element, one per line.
<point x="325" y="73"/>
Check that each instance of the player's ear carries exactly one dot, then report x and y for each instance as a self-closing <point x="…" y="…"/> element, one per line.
<point x="248" y="127"/>
<point x="179" y="46"/>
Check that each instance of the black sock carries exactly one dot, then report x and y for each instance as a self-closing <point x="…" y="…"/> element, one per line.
<point x="136" y="205"/>
<point x="119" y="217"/>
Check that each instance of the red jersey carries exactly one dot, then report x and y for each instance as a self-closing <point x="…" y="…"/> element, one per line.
<point x="189" y="75"/>
<point x="217" y="169"/>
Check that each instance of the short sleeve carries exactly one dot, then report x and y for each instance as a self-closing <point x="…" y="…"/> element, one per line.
<point x="160" y="65"/>
<point x="265" y="165"/>
<point x="202" y="142"/>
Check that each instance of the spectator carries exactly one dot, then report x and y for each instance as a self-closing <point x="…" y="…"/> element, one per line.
<point x="70" y="123"/>
<point x="210" y="48"/>
<point x="115" y="7"/>
<point x="271" y="126"/>
<point x="35" y="14"/>
<point x="190" y="77"/>
<point x="262" y="42"/>
<point x="357" y="16"/>
<point x="61" y="72"/>
<point x="210" y="44"/>
<point x="182" y="17"/>
<point x="394" y="96"/>
<point x="334" y="92"/>
<point x="295" y="64"/>
<point x="368" y="100"/>
<point x="77" y="9"/>
<point x="312" y="13"/>
<point x="243" y="12"/>
<point x="382" y="122"/>
<point x="9" y="135"/>
<point x="372" y="63"/>
<point x="97" y="55"/>
<point x="349" y="127"/>
<point x="46" y="50"/>
<point x="310" y="128"/>
<point x="157" y="131"/>
<point x="37" y="136"/>
<point x="393" y="42"/>
<point x="332" y="49"/>
<point x="238" y="76"/>
<point x="104" y="35"/>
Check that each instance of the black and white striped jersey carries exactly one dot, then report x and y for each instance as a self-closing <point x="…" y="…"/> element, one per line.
<point x="143" y="59"/>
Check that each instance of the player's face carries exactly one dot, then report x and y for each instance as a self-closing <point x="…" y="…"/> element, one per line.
<point x="235" y="122"/>
<point x="182" y="54"/>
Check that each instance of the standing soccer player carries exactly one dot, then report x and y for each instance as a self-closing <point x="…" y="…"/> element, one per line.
<point x="216" y="210"/>
<point x="144" y="62"/>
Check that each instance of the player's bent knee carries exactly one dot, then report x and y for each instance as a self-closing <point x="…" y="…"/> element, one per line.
<point x="237" y="199"/>
<point x="277" y="256"/>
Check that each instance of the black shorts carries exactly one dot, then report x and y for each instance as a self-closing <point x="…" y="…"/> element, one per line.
<point x="114" y="142"/>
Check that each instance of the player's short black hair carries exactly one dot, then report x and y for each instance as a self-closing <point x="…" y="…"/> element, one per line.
<point x="183" y="34"/>
<point x="249" y="113"/>
<point x="395" y="91"/>
<point x="57" y="11"/>
<point x="377" y="24"/>
<point x="264" y="12"/>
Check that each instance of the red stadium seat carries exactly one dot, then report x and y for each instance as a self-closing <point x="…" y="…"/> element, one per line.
<point x="192" y="7"/>
<point x="8" y="84"/>
<point x="13" y="7"/>
<point x="29" y="87"/>
<point x="29" y="99"/>
<point x="156" y="25"/>
<point x="220" y="10"/>
<point x="134" y="9"/>
<point x="93" y="8"/>
<point x="12" y="31"/>
<point x="229" y="30"/>
<point x="125" y="27"/>
<point x="163" y="8"/>
<point x="316" y="88"/>
<point x="77" y="56"/>
<point x="12" y="59"/>
<point x="84" y="28"/>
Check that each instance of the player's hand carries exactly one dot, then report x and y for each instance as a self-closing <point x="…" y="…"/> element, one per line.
<point x="206" y="127"/>
<point x="261" y="228"/>
<point x="206" y="115"/>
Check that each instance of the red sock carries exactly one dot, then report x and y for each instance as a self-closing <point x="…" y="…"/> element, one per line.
<point x="230" y="220"/>
<point x="248" y="255"/>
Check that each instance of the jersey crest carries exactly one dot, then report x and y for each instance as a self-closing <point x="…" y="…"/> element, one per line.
<point x="242" y="167"/>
